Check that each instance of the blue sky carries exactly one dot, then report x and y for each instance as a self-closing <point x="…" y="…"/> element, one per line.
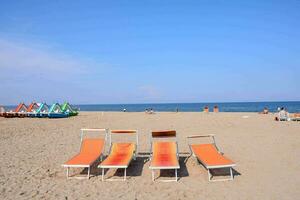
<point x="149" y="51"/>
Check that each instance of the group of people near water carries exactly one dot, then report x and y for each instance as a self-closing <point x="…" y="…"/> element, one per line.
<point x="149" y="111"/>
<point x="283" y="114"/>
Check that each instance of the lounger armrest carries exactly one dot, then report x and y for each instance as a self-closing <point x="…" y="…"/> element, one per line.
<point x="199" y="136"/>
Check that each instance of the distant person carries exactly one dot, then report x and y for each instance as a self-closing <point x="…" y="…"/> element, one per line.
<point x="216" y="109"/>
<point x="147" y="111"/>
<point x="177" y="110"/>
<point x="206" y="109"/>
<point x="265" y="111"/>
<point x="124" y="110"/>
<point x="151" y="111"/>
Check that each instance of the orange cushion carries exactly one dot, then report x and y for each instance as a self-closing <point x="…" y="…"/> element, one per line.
<point x="90" y="151"/>
<point x="81" y="159"/>
<point x="164" y="154"/>
<point x="121" y="154"/>
<point x="208" y="155"/>
<point x="92" y="146"/>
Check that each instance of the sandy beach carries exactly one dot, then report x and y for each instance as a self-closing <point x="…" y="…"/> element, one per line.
<point x="266" y="153"/>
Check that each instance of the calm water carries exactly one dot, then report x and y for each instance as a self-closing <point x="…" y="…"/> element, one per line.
<point x="191" y="107"/>
<point x="195" y="107"/>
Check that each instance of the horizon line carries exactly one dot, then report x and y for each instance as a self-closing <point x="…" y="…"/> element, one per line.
<point x="174" y="103"/>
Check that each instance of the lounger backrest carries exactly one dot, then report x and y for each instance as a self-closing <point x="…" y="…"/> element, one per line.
<point x="164" y="134"/>
<point x="125" y="132"/>
<point x="92" y="146"/>
<point x="88" y="143"/>
<point x="211" y="136"/>
<point x="122" y="148"/>
<point x="164" y="147"/>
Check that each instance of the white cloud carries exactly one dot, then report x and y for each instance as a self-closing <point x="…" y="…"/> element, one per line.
<point x="31" y="71"/>
<point x="24" y="60"/>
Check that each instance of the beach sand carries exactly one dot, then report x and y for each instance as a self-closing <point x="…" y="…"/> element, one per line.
<point x="267" y="154"/>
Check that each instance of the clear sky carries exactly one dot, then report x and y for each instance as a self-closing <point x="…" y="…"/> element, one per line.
<point x="149" y="51"/>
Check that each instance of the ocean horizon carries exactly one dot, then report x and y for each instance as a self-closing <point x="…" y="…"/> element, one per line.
<point x="291" y="106"/>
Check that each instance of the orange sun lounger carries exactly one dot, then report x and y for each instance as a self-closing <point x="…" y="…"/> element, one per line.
<point x="120" y="154"/>
<point x="91" y="150"/>
<point x="210" y="156"/>
<point x="164" y="154"/>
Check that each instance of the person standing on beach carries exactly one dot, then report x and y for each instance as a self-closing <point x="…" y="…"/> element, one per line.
<point x="151" y="111"/>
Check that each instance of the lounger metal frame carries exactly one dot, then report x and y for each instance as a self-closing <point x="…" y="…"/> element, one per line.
<point x="210" y="166"/>
<point x="166" y="167"/>
<point x="119" y="166"/>
<point x="87" y="166"/>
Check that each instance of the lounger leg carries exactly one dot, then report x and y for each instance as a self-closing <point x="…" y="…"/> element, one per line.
<point x="102" y="174"/>
<point x="125" y="175"/>
<point x="176" y="174"/>
<point x="152" y="175"/>
<point x="225" y="179"/>
<point x="89" y="169"/>
<point x="67" y="172"/>
<point x="209" y="177"/>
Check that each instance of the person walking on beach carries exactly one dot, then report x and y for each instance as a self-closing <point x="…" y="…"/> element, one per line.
<point x="216" y="109"/>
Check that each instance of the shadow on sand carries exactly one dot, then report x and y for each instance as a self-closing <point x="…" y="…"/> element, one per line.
<point x="136" y="168"/>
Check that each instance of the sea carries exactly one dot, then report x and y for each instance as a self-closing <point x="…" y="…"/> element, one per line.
<point x="291" y="106"/>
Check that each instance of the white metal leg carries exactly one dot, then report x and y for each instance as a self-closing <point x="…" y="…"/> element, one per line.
<point x="102" y="174"/>
<point x="115" y="179"/>
<point x="172" y="180"/>
<point x="225" y="179"/>
<point x="208" y="175"/>
<point x="152" y="175"/>
<point x="125" y="175"/>
<point x="67" y="172"/>
<point x="79" y="177"/>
